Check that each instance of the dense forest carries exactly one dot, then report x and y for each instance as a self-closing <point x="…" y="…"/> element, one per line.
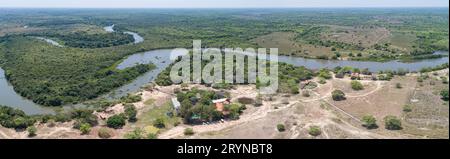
<point x="83" y="40"/>
<point x="85" y="68"/>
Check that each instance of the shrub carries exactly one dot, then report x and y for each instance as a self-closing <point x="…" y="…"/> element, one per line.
<point x="407" y="108"/>
<point x="131" y="112"/>
<point x="131" y="98"/>
<point x="281" y="128"/>
<point x="356" y="85"/>
<point x="116" y="121"/>
<point x="152" y="136"/>
<point x="159" y="123"/>
<point x="314" y="131"/>
<point x="369" y="122"/>
<point x="444" y="95"/>
<point x="398" y="85"/>
<point x="135" y="134"/>
<point x="392" y="123"/>
<point x="104" y="133"/>
<point x="306" y="94"/>
<point x="189" y="131"/>
<point x="324" y="73"/>
<point x="85" y="128"/>
<point x="31" y="131"/>
<point x="322" y="81"/>
<point x="338" y="95"/>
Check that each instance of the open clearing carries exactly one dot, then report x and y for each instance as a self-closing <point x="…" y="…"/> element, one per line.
<point x="336" y="120"/>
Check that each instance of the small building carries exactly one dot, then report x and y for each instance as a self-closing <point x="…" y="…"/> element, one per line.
<point x="220" y="103"/>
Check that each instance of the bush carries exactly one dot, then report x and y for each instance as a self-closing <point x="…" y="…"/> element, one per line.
<point x="369" y="122"/>
<point x="31" y="131"/>
<point x="281" y="128"/>
<point x="152" y="136"/>
<point x="338" y="95"/>
<point x="131" y="98"/>
<point x="392" y="123"/>
<point x="306" y="94"/>
<point x="357" y="86"/>
<point x="407" y="108"/>
<point x="314" y="131"/>
<point x="322" y="81"/>
<point x="131" y="112"/>
<point x="324" y="73"/>
<point x="159" y="123"/>
<point x="14" y="118"/>
<point x="85" y="128"/>
<point x="135" y="134"/>
<point x="398" y="85"/>
<point x="444" y="95"/>
<point x="116" y="121"/>
<point x="189" y="131"/>
<point x="104" y="133"/>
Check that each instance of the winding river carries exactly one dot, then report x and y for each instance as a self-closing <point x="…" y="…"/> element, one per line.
<point x="161" y="58"/>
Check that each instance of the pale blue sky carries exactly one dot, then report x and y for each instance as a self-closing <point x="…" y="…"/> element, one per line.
<point x="219" y="3"/>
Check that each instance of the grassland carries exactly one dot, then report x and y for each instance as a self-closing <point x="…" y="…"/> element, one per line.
<point x="82" y="71"/>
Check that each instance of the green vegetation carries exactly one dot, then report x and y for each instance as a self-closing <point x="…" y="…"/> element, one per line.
<point x="444" y="95"/>
<point x="85" y="68"/>
<point x="116" y="121"/>
<point x="104" y="133"/>
<point x="84" y="40"/>
<point x="338" y="95"/>
<point x="314" y="131"/>
<point x="159" y="123"/>
<point x="189" y="132"/>
<point x="369" y="122"/>
<point x="135" y="134"/>
<point x="31" y="131"/>
<point x="130" y="112"/>
<point x="14" y="118"/>
<point x="407" y="108"/>
<point x="392" y="123"/>
<point x="85" y="128"/>
<point x="356" y="85"/>
<point x="130" y="98"/>
<point x="197" y="106"/>
<point x="281" y="127"/>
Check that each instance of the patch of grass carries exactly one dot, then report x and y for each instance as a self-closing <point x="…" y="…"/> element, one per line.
<point x="162" y="112"/>
<point x="149" y="101"/>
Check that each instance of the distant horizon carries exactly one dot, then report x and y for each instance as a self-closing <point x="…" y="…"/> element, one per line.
<point x="219" y="7"/>
<point x="224" y="4"/>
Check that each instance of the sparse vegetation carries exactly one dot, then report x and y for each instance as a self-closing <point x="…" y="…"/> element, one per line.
<point x="338" y="95"/>
<point x="356" y="85"/>
<point x="407" y="108"/>
<point x="31" y="131"/>
<point x="281" y="128"/>
<point x="85" y="128"/>
<point x="104" y="133"/>
<point x="444" y="95"/>
<point x="392" y="123"/>
<point x="116" y="121"/>
<point x="189" y="132"/>
<point x="314" y="131"/>
<point x="369" y="122"/>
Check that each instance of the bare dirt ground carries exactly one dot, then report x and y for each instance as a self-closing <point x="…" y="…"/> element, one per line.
<point x="428" y="119"/>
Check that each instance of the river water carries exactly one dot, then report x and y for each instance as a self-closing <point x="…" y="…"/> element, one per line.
<point x="162" y="59"/>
